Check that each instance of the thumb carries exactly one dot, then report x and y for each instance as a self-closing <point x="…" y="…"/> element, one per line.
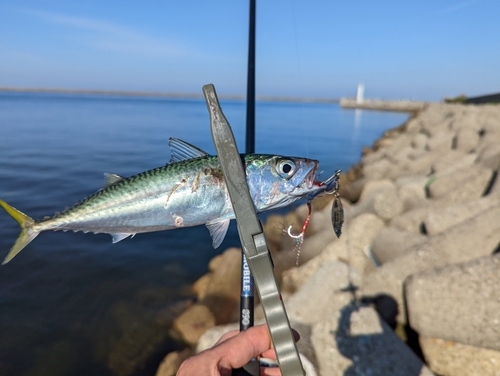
<point x="240" y="349"/>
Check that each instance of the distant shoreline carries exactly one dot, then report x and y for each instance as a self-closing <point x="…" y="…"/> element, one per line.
<point x="163" y="95"/>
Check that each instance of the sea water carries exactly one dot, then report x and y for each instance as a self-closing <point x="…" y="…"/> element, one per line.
<point x="69" y="301"/>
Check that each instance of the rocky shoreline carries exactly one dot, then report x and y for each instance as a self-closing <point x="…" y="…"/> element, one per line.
<point x="412" y="287"/>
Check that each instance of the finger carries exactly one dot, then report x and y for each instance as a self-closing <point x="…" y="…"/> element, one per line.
<point x="226" y="336"/>
<point x="237" y="351"/>
<point x="271" y="354"/>
<point x="266" y="371"/>
<point x="232" y="333"/>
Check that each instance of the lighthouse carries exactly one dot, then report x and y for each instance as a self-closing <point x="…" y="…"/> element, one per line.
<point x="360" y="94"/>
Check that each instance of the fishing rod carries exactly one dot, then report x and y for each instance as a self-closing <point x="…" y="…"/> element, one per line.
<point x="247" y="292"/>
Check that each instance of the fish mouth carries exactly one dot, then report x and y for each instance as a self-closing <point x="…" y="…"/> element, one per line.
<point x="309" y="184"/>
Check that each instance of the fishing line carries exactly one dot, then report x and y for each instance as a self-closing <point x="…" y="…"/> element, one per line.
<point x="300" y="81"/>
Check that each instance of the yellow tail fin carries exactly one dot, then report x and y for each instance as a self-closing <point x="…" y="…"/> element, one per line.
<point x="27" y="234"/>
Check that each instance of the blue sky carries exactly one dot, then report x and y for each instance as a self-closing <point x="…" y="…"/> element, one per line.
<point x="399" y="49"/>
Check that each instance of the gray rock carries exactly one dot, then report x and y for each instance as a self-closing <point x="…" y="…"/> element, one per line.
<point x="314" y="245"/>
<point x="466" y="139"/>
<point x="355" y="341"/>
<point x="352" y="190"/>
<point x="412" y="219"/>
<point x="403" y="154"/>
<point x="391" y="243"/>
<point x="295" y="277"/>
<point x="374" y="186"/>
<point x="494" y="188"/>
<point x="455" y="159"/>
<point x="440" y="219"/>
<point x="358" y="235"/>
<point x="460" y="185"/>
<point x="457" y="359"/>
<point x="172" y="361"/>
<point x="212" y="335"/>
<point x="377" y="170"/>
<point x="362" y="230"/>
<point x="491" y="121"/>
<point x="421" y="164"/>
<point x="222" y="292"/>
<point x="419" y="141"/>
<point x="442" y="140"/>
<point x="387" y="205"/>
<point x="468" y="119"/>
<point x="324" y="293"/>
<point x="193" y="322"/>
<point x="372" y="155"/>
<point x="471" y="239"/>
<point x="379" y="197"/>
<point x="321" y="220"/>
<point x="471" y="291"/>
<point x="393" y="143"/>
<point x="489" y="156"/>
<point x="434" y="119"/>
<point x="411" y="190"/>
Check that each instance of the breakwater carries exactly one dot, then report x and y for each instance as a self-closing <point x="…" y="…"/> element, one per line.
<point x="383" y="105"/>
<point x="412" y="285"/>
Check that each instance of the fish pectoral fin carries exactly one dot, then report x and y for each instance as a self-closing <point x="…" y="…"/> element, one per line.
<point x="120" y="236"/>
<point x="181" y="150"/>
<point x="218" y="230"/>
<point x="111" y="179"/>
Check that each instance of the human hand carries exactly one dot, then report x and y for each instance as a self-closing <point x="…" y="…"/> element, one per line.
<point x="233" y="350"/>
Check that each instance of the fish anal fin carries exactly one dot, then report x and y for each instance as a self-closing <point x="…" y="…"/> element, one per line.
<point x="120" y="236"/>
<point x="218" y="230"/>
<point x="111" y="179"/>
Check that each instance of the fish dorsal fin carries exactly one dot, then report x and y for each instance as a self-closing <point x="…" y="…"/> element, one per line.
<point x="181" y="150"/>
<point x="111" y="179"/>
<point x="218" y="229"/>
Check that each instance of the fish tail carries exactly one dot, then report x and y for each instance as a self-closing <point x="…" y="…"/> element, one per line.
<point x="27" y="233"/>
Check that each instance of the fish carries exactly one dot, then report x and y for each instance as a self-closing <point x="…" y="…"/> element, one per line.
<point x="188" y="191"/>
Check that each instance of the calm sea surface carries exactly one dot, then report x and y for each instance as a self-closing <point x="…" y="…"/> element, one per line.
<point x="75" y="304"/>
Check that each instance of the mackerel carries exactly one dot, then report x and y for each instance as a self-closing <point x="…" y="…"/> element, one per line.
<point x="188" y="191"/>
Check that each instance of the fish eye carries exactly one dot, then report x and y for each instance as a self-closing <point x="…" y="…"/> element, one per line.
<point x="286" y="168"/>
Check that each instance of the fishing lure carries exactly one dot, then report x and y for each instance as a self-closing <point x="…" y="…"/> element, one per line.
<point x="329" y="186"/>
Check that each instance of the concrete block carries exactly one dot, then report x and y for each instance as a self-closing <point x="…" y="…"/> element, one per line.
<point x="459" y="303"/>
<point x="442" y="140"/>
<point x="466" y="139"/>
<point x="476" y="237"/>
<point x="391" y="243"/>
<point x="460" y="184"/>
<point x="350" y="249"/>
<point x="448" y="358"/>
<point x="379" y="197"/>
<point x="411" y="190"/>
<point x="355" y="341"/>
<point x="455" y="159"/>
<point x="439" y="219"/>
<point x="419" y="141"/>
<point x="489" y="155"/>
<point x="326" y="292"/>
<point x="412" y="220"/>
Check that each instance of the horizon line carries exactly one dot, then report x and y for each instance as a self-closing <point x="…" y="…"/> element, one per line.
<point x="158" y="94"/>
